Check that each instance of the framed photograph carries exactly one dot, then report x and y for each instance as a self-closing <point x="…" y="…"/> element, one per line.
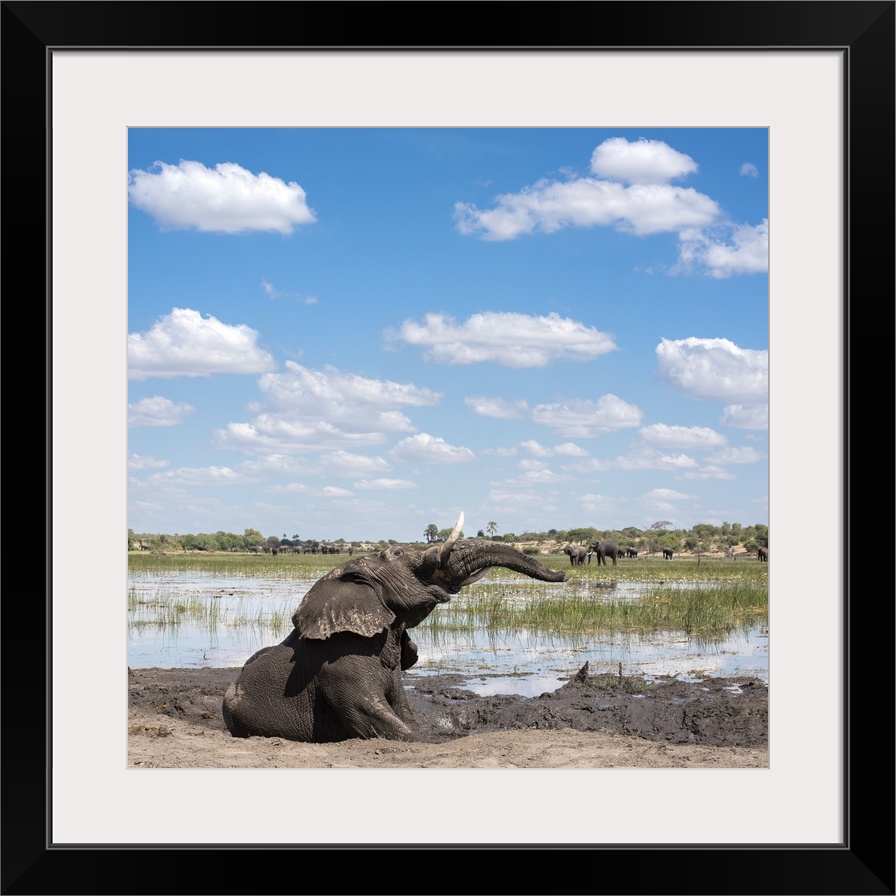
<point x="816" y="77"/>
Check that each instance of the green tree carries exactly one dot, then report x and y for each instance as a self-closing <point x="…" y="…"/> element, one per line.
<point x="432" y="532"/>
<point x="492" y="528"/>
<point x="205" y="541"/>
<point x="588" y="534"/>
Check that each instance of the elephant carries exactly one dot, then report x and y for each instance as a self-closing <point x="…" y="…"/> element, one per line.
<point x="631" y="552"/>
<point x="604" y="549"/>
<point x="667" y="553"/>
<point x="577" y="554"/>
<point x="762" y="554"/>
<point x="337" y="675"/>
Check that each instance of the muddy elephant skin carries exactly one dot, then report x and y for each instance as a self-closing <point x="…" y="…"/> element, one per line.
<point x="337" y="675"/>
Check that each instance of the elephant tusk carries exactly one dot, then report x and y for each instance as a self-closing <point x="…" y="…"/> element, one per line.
<point x="475" y="577"/>
<point x="452" y="538"/>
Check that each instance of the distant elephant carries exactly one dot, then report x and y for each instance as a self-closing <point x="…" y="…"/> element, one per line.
<point x="577" y="554"/>
<point x="631" y="552"/>
<point x="337" y="675"/>
<point x="762" y="554"/>
<point x="254" y="549"/>
<point x="667" y="553"/>
<point x="604" y="549"/>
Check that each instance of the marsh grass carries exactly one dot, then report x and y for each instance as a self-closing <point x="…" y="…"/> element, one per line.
<point x="699" y="609"/>
<point x="170" y="609"/>
<point x="298" y="566"/>
<point x="699" y="599"/>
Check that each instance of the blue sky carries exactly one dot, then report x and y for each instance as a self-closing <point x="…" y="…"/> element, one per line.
<point x="353" y="333"/>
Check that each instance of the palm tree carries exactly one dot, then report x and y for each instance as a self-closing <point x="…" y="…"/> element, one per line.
<point x="432" y="532"/>
<point x="492" y="528"/>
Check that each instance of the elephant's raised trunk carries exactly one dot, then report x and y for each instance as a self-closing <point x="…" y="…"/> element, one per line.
<point x="470" y="558"/>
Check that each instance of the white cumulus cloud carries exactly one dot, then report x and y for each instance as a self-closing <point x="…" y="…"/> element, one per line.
<point x="186" y="344"/>
<point x="709" y="472"/>
<point x="714" y="369"/>
<point x="548" y="206"/>
<point x="641" y="161"/>
<point x="191" y="476"/>
<point x="223" y="199"/>
<point x="737" y="249"/>
<point x="582" y="418"/>
<point x="145" y="462"/>
<point x="746" y="416"/>
<point x="686" y="437"/>
<point x="345" y="463"/>
<point x="630" y="189"/>
<point x="321" y="411"/>
<point x="381" y="484"/>
<point x="644" y="458"/>
<point x="506" y="338"/>
<point x="348" y="401"/>
<point x="158" y="411"/>
<point x="424" y="448"/>
<point x="565" y="449"/>
<point x="733" y="455"/>
<point x="499" y="408"/>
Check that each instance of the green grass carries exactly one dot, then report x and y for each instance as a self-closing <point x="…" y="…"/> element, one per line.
<point x="264" y="566"/>
<point x="169" y="609"/>
<point x="709" y="598"/>
<point x="703" y="609"/>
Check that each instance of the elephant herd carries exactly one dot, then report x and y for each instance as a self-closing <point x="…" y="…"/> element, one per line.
<point x="579" y="554"/>
<point x="298" y="549"/>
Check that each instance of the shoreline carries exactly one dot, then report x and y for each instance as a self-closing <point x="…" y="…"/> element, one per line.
<point x="174" y="721"/>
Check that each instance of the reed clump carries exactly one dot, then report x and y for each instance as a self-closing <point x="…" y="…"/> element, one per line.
<point x="695" y="608"/>
<point x="636" y="596"/>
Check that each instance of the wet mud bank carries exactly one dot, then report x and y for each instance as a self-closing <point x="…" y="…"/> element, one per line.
<point x="712" y="712"/>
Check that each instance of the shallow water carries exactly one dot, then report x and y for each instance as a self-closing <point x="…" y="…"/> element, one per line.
<point x="238" y="617"/>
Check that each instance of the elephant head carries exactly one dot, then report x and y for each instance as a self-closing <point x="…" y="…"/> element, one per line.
<point x="577" y="554"/>
<point x="338" y="673"/>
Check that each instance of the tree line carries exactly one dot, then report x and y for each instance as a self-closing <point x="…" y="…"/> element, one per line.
<point x="701" y="538"/>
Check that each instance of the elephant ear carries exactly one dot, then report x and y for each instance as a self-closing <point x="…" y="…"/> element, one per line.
<point x="342" y="605"/>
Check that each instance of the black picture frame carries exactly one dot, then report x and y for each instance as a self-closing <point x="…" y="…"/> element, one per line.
<point x="864" y="862"/>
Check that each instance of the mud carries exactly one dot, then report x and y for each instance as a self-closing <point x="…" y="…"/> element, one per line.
<point x="175" y="721"/>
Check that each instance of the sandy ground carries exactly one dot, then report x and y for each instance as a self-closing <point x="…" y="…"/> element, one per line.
<point x="175" y="722"/>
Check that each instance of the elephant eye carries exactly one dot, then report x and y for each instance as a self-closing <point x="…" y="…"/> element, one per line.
<point x="397" y="552"/>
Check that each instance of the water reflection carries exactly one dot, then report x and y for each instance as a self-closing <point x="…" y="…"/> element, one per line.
<point x="195" y="620"/>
